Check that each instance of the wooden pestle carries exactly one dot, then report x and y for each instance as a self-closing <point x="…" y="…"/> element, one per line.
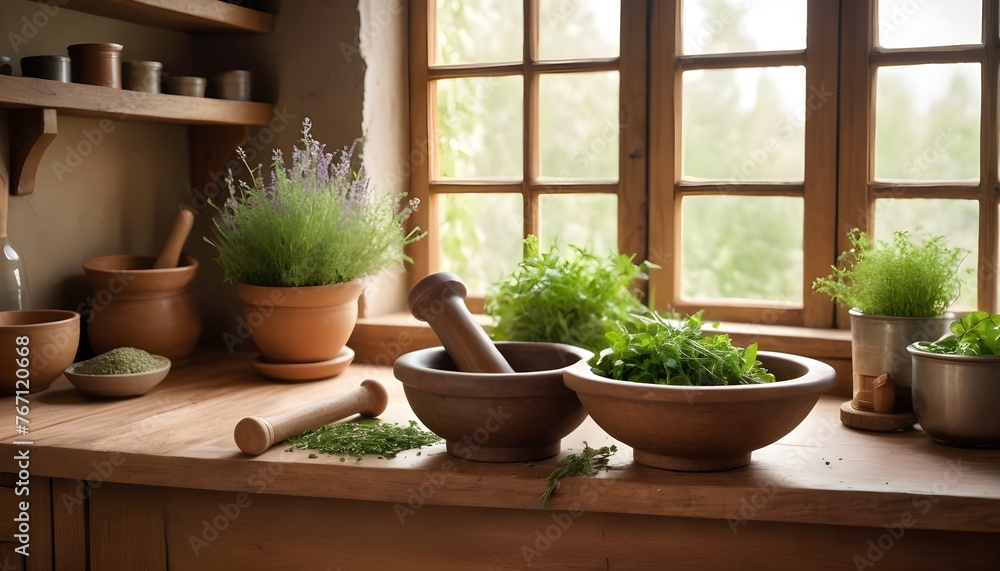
<point x="255" y="434"/>
<point x="439" y="299"/>
<point x="171" y="253"/>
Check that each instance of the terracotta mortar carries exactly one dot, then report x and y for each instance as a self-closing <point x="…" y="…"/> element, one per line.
<point x="137" y="306"/>
<point x="496" y="417"/>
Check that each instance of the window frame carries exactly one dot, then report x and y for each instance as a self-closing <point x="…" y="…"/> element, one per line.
<point x="861" y="56"/>
<point x="838" y="187"/>
<point x="630" y="187"/>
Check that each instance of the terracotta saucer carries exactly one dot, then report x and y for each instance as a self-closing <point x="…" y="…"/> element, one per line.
<point x="298" y="372"/>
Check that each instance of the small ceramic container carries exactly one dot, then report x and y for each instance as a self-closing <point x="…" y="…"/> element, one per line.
<point x="131" y="385"/>
<point x="184" y="85"/>
<point x="5" y="65"/>
<point x="232" y="85"/>
<point x="142" y="76"/>
<point x="55" y="68"/>
<point x="97" y="64"/>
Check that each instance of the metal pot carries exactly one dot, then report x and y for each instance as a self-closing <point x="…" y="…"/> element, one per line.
<point x="955" y="397"/>
<point x="878" y="346"/>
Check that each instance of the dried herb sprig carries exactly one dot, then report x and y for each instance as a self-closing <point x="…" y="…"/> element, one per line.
<point x="362" y="437"/>
<point x="587" y="463"/>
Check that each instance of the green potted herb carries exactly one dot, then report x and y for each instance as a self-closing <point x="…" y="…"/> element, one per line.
<point x="573" y="298"/>
<point x="897" y="293"/>
<point x="956" y="382"/>
<point x="297" y="246"/>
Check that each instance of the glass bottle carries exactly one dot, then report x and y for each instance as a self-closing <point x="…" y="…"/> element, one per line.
<point x="13" y="278"/>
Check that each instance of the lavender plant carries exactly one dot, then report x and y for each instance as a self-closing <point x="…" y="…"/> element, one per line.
<point x="316" y="223"/>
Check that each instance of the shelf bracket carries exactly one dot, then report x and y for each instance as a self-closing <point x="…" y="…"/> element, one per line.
<point x="32" y="131"/>
<point x="211" y="146"/>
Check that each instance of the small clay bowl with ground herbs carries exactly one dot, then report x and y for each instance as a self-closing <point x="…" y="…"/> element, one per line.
<point x="122" y="372"/>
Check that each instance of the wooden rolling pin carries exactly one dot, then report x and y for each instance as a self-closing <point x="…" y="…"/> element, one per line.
<point x="255" y="434"/>
<point x="439" y="299"/>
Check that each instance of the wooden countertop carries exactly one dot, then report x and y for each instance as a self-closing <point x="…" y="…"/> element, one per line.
<point x="180" y="434"/>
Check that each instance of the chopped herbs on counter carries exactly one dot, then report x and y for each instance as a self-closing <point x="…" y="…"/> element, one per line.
<point x="121" y="361"/>
<point x="587" y="463"/>
<point x="362" y="437"/>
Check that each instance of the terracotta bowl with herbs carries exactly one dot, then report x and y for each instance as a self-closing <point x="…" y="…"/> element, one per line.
<point x="121" y="372"/>
<point x="692" y="402"/>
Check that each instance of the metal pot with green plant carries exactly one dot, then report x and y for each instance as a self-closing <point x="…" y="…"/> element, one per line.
<point x="956" y="382"/>
<point x="897" y="292"/>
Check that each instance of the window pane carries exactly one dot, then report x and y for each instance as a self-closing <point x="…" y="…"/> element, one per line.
<point x="578" y="125"/>
<point x="927" y="122"/>
<point x="480" y="237"/>
<point x="919" y="23"/>
<point x="586" y="220"/>
<point x="478" y="31"/>
<point x="479" y="127"/>
<point x="725" y="26"/>
<point x="578" y="29"/>
<point x="747" y="124"/>
<point x="742" y="247"/>
<point x="958" y="220"/>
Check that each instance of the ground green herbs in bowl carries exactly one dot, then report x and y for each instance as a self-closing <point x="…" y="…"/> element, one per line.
<point x="121" y="361"/>
<point x="364" y="437"/>
<point x="650" y="349"/>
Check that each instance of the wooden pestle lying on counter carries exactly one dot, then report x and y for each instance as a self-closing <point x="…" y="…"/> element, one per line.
<point x="255" y="434"/>
<point x="439" y="299"/>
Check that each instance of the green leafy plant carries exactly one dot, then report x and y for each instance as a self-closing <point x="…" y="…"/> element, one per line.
<point x="573" y="299"/>
<point x="587" y="463"/>
<point x="900" y="278"/>
<point x="649" y="349"/>
<point x="978" y="333"/>
<point x="316" y="223"/>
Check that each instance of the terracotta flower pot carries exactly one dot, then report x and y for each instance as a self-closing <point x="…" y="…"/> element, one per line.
<point x="300" y="324"/>
<point x="137" y="306"/>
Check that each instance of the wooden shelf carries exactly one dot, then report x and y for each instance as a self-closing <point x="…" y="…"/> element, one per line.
<point x="35" y="104"/>
<point x="212" y="16"/>
<point x="93" y="101"/>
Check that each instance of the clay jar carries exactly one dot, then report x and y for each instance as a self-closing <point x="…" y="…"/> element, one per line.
<point x="55" y="68"/>
<point x="142" y="75"/>
<point x="97" y="64"/>
<point x="137" y="306"/>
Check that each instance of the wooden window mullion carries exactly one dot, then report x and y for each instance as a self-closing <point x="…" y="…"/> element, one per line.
<point x="988" y="233"/>
<point x="820" y="187"/>
<point x="854" y="207"/>
<point x="633" y="203"/>
<point x="664" y="139"/>
<point x="423" y="152"/>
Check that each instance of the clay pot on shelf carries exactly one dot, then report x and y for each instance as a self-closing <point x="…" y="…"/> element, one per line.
<point x="185" y="85"/>
<point x="55" y="68"/>
<point x="298" y="326"/>
<point x="234" y="85"/>
<point x="135" y="305"/>
<point x="97" y="64"/>
<point x="142" y="75"/>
